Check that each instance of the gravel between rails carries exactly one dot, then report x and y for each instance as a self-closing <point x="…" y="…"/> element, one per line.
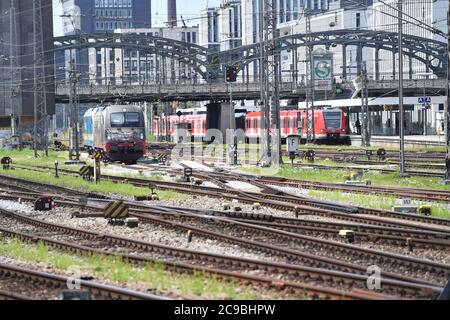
<point x="243" y="233"/>
<point x="326" y="282"/>
<point x="208" y="203"/>
<point x="154" y="233"/>
<point x="146" y="232"/>
<point x="24" y="287"/>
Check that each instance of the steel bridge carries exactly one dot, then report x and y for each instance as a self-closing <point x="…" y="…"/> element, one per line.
<point x="241" y="91"/>
<point x="208" y="63"/>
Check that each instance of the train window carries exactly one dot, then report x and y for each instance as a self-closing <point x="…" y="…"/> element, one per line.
<point x="116" y="119"/>
<point x="125" y="119"/>
<point x="132" y="119"/>
<point x="332" y="120"/>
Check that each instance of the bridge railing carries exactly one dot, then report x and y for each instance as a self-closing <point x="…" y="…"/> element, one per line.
<point x="206" y="91"/>
<point x="407" y="84"/>
<point x="172" y="89"/>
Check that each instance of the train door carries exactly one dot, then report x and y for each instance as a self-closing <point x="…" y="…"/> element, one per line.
<point x="99" y="129"/>
<point x="291" y="125"/>
<point x="258" y="127"/>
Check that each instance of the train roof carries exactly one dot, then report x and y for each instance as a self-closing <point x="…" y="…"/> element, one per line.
<point x="112" y="108"/>
<point x="123" y="108"/>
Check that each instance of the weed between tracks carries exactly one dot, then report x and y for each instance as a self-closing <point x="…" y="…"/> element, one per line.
<point x="339" y="176"/>
<point x="151" y="277"/>
<point x="371" y="201"/>
<point x="78" y="183"/>
<point x="376" y="202"/>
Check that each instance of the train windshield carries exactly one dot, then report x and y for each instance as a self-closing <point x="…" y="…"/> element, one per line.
<point x="332" y="120"/>
<point x="125" y="119"/>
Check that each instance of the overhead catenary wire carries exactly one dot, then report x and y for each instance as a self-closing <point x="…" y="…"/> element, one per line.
<point x="103" y="45"/>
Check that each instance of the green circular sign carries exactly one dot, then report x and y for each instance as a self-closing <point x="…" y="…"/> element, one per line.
<point x="322" y="70"/>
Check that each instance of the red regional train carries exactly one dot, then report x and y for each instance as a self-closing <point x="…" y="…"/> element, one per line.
<point x="330" y="125"/>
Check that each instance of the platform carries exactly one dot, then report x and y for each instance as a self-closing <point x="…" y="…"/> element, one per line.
<point x="410" y="141"/>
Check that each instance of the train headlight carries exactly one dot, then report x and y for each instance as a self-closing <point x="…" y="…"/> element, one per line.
<point x="108" y="137"/>
<point x="142" y="136"/>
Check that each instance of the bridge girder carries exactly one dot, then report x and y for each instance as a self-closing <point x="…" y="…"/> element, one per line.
<point x="427" y="51"/>
<point x="208" y="63"/>
<point x="191" y="54"/>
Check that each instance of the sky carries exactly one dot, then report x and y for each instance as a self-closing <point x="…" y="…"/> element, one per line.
<point x="187" y="8"/>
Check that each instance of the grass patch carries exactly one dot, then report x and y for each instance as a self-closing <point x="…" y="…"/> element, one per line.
<point x="78" y="183"/>
<point x="440" y="210"/>
<point x="340" y="175"/>
<point x="154" y="276"/>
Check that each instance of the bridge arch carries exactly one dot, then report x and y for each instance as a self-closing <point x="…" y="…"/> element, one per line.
<point x="208" y="63"/>
<point x="430" y="52"/>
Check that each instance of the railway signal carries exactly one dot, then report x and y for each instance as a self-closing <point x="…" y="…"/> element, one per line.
<point x="6" y="162"/>
<point x="187" y="174"/>
<point x="43" y="204"/>
<point x="231" y="73"/>
<point x="56" y="169"/>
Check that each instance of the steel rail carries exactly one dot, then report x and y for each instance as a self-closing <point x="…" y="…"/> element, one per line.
<point x="96" y="290"/>
<point x="292" y="204"/>
<point x="297" y="271"/>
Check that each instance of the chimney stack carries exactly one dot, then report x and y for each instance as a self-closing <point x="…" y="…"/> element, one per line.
<point x="172" y="13"/>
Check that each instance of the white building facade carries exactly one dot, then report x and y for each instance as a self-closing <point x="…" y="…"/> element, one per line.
<point x="230" y="24"/>
<point x="209" y="29"/>
<point x="118" y="66"/>
<point x="383" y="16"/>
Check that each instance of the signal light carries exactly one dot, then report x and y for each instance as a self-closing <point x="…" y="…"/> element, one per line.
<point x="231" y="73"/>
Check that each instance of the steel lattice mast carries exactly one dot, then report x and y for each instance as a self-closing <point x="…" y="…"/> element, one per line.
<point x="271" y="81"/>
<point x="40" y="136"/>
<point x="447" y="104"/>
<point x="264" y="114"/>
<point x="310" y="136"/>
<point x="15" y="102"/>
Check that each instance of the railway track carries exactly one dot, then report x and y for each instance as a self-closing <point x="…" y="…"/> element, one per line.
<point x="364" y="232"/>
<point x="314" y="260"/>
<point x="346" y="280"/>
<point x="153" y="218"/>
<point x="371" y="218"/>
<point x="10" y="295"/>
<point x="283" y="202"/>
<point x="381" y="170"/>
<point x="56" y="283"/>
<point x="419" y="160"/>
<point x="399" y="192"/>
<point x="410" y="193"/>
